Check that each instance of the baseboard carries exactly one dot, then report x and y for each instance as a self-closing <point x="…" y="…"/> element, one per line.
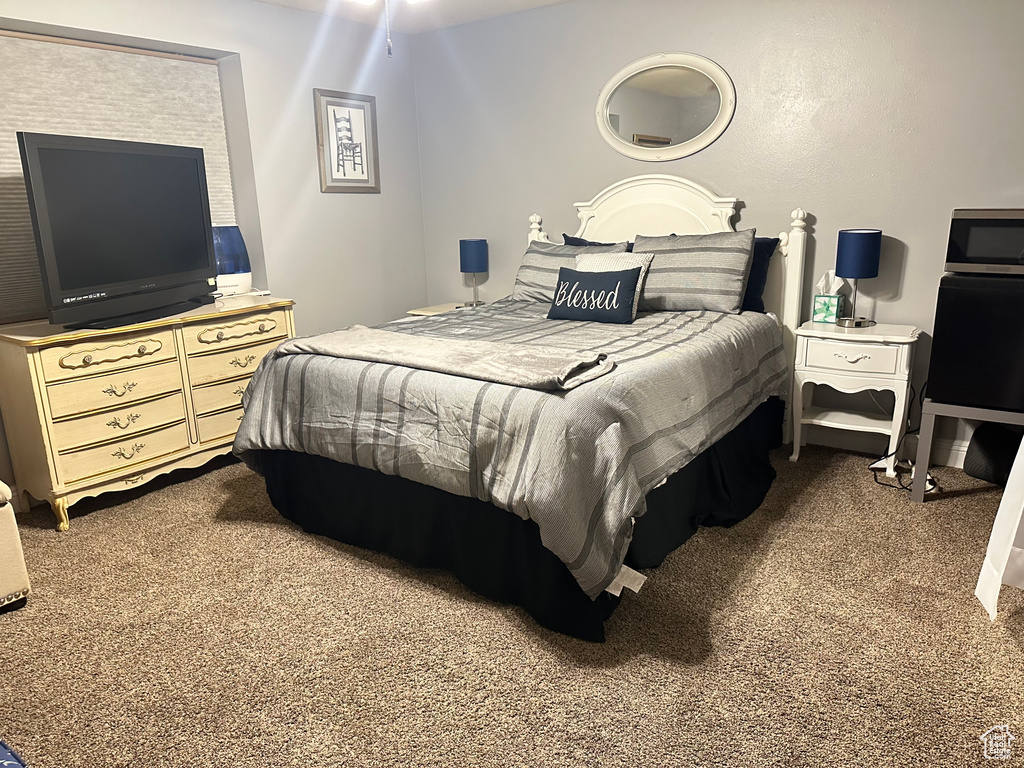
<point x="945" y="452"/>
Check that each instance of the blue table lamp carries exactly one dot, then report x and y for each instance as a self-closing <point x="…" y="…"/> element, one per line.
<point x="857" y="257"/>
<point x="473" y="260"/>
<point x="234" y="275"/>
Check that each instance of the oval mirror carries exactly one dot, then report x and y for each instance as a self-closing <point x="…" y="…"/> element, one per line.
<point x="665" y="106"/>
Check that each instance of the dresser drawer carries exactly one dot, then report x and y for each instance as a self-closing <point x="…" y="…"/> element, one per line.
<point x="118" y="423"/>
<point x="210" y="337"/>
<point x="204" y="369"/>
<point x="853" y="358"/>
<point x="121" y="455"/>
<point x="94" y="393"/>
<point x="219" y="425"/>
<point x="106" y="354"/>
<point x="217" y="397"/>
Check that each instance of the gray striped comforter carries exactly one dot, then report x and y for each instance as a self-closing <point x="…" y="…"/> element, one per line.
<point x="578" y="463"/>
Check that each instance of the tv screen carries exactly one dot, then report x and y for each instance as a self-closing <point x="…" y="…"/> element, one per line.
<point x="122" y="228"/>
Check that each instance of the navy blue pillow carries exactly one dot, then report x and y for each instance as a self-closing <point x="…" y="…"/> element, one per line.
<point x="764" y="247"/>
<point x="604" y="297"/>
<point x="570" y="240"/>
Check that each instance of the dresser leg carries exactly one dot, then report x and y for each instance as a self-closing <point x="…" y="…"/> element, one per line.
<point x="60" y="509"/>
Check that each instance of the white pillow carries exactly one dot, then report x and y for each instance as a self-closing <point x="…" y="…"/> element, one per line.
<point x="614" y="262"/>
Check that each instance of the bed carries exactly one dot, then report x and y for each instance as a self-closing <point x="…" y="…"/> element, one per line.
<point x="552" y="496"/>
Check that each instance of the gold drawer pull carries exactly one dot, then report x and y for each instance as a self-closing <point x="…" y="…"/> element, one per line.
<point x="243" y="363"/>
<point x="133" y="480"/>
<point x="133" y="451"/>
<point x="130" y="419"/>
<point x="851" y="360"/>
<point x="128" y="387"/>
<point x="236" y="331"/>
<point x="111" y="354"/>
<point x="238" y="391"/>
<point x="241" y="417"/>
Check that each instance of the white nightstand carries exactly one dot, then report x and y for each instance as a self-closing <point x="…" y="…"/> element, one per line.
<point x="853" y="360"/>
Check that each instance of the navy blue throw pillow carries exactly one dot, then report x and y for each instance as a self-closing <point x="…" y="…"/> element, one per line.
<point x="570" y="240"/>
<point x="764" y="247"/>
<point x="604" y="297"/>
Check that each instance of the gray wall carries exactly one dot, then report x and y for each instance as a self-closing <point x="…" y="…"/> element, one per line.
<point x="866" y="113"/>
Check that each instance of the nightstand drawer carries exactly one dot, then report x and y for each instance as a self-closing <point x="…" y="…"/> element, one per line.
<point x="852" y="358"/>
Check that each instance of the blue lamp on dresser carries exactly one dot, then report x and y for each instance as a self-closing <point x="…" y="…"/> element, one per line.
<point x="473" y="261"/>
<point x="857" y="257"/>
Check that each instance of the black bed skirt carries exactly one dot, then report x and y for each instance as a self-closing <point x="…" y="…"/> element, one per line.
<point x="499" y="555"/>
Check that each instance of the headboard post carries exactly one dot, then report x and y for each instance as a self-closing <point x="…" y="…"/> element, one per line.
<point x="793" y="245"/>
<point x="536" y="233"/>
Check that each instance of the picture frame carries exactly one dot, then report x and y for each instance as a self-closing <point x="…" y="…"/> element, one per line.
<point x="646" y="140"/>
<point x="346" y="141"/>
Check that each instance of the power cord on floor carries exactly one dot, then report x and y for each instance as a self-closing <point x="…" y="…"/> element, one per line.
<point x="878" y="465"/>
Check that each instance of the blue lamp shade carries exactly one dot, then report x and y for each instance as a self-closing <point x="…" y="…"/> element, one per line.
<point x="229" y="248"/>
<point x="858" y="252"/>
<point x="472" y="256"/>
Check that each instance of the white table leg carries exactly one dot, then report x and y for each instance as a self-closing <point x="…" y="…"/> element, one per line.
<point x="924" y="450"/>
<point x="899" y="425"/>
<point x="798" y="412"/>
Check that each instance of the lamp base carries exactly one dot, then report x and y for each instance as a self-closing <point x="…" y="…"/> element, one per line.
<point x="471" y="304"/>
<point x="855" y="322"/>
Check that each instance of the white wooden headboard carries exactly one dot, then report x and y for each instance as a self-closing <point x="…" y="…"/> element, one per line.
<point x="659" y="204"/>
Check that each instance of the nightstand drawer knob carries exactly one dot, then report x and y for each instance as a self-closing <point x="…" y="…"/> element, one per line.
<point x="852" y="360"/>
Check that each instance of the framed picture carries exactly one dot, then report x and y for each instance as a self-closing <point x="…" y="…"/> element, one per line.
<point x="346" y="141"/>
<point x="646" y="140"/>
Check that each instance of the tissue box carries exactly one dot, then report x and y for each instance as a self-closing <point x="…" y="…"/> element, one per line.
<point x="828" y="307"/>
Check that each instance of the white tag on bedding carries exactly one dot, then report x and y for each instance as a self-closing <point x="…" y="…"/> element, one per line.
<point x="628" y="578"/>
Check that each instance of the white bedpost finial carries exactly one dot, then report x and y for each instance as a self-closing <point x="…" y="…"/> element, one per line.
<point x="536" y="233"/>
<point x="799" y="218"/>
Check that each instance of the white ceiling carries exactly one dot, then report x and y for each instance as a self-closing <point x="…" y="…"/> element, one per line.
<point x="422" y="16"/>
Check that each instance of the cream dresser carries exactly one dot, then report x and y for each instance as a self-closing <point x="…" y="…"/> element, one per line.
<point x="93" y="411"/>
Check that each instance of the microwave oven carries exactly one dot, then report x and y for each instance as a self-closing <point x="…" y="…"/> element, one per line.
<point x="986" y="241"/>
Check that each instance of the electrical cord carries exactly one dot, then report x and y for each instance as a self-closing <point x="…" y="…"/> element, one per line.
<point x="930" y="483"/>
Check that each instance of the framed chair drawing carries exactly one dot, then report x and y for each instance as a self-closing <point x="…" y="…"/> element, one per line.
<point x="346" y="141"/>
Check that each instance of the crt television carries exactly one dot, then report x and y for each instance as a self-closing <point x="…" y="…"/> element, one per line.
<point x="122" y="228"/>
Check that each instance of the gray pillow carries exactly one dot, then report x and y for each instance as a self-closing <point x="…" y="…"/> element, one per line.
<point x="538" y="274"/>
<point x="693" y="272"/>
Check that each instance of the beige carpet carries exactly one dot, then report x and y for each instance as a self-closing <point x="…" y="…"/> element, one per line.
<point x="193" y="626"/>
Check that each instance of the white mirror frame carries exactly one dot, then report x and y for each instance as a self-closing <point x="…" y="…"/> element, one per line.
<point x="655" y="154"/>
